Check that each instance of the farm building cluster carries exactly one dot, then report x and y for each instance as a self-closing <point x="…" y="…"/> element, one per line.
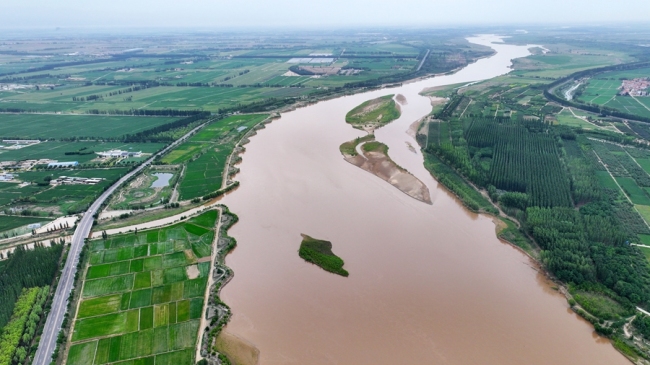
<point x="118" y="154"/>
<point x="635" y="87"/>
<point x="65" y="180"/>
<point x="16" y="144"/>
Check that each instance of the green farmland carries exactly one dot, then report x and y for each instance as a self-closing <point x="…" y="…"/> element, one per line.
<point x="61" y="198"/>
<point x="55" y="150"/>
<point x="47" y="126"/>
<point x="142" y="297"/>
<point x="206" y="154"/>
<point x="603" y="90"/>
<point x="11" y="222"/>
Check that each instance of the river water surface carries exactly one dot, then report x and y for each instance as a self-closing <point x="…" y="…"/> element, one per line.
<point x="428" y="284"/>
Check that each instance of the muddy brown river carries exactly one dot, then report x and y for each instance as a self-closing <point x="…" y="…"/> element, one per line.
<point x="428" y="284"/>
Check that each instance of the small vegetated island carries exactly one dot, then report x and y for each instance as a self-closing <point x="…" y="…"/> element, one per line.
<point x="372" y="155"/>
<point x="319" y="252"/>
<point x="374" y="113"/>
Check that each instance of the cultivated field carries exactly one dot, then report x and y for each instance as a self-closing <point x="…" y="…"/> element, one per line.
<point x="57" y="199"/>
<point x="602" y="90"/>
<point x="206" y="154"/>
<point x="142" y="296"/>
<point x="56" y="150"/>
<point x="11" y="222"/>
<point x="47" y="126"/>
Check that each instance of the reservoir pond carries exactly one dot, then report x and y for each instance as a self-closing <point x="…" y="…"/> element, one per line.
<point x="162" y="179"/>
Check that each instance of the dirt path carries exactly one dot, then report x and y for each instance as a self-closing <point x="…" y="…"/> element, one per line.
<point x="206" y="295"/>
<point x="468" y="104"/>
<point x="637" y="100"/>
<point x="174" y="196"/>
<point x="584" y="119"/>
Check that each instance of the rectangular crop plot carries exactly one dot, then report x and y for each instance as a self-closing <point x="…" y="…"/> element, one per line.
<point x="142" y="280"/>
<point x="636" y="194"/>
<point x="175" y="358"/>
<point x="207" y="219"/>
<point x="83" y="353"/>
<point x="138" y="306"/>
<point x="161" y="315"/>
<point x="182" y="310"/>
<point x="140" y="298"/>
<point x="109" y="324"/>
<point x="103" y="351"/>
<point x="146" y="318"/>
<point x="174" y="259"/>
<point x="100" y="305"/>
<point x="152" y="236"/>
<point x="113" y="284"/>
<point x="644" y="211"/>
<point x="195" y="287"/>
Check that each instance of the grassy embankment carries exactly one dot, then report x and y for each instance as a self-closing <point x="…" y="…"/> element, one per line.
<point x="320" y="253"/>
<point x="374" y="113"/>
<point x="508" y="231"/>
<point x="445" y="175"/>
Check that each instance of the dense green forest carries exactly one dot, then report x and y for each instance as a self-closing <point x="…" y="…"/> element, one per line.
<point x="16" y="337"/>
<point x="26" y="269"/>
<point x="545" y="176"/>
<point x="319" y="252"/>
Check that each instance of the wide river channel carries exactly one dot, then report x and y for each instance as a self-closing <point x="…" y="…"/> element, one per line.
<point x="428" y="284"/>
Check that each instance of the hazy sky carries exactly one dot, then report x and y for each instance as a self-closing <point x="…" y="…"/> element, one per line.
<point x="310" y="13"/>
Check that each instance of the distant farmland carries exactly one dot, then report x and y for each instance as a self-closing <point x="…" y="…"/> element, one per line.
<point x="37" y="126"/>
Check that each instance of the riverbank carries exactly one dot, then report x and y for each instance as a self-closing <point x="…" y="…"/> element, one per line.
<point x="293" y="180"/>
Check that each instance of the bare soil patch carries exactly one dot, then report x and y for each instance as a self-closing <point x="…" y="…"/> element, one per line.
<point x="192" y="272"/>
<point x="379" y="164"/>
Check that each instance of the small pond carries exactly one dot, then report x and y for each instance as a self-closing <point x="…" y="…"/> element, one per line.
<point x="162" y="179"/>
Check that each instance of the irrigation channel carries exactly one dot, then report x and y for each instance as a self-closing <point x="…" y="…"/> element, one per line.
<point x="428" y="284"/>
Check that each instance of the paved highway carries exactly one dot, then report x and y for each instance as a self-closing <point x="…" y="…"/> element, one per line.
<point x="423" y="59"/>
<point x="66" y="282"/>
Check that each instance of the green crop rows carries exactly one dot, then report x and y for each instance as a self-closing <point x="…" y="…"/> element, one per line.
<point x="32" y="126"/>
<point x="142" y="297"/>
<point x="11" y="222"/>
<point x="206" y="154"/>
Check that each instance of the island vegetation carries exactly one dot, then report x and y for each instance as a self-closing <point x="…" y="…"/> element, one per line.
<point x="374" y="113"/>
<point x="350" y="148"/>
<point x="319" y="252"/>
